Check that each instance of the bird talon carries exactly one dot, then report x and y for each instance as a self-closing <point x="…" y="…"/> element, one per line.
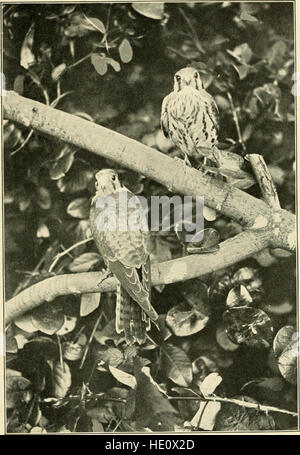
<point x="184" y="161"/>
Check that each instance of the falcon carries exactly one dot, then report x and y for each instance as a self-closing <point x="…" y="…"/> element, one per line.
<point x="126" y="253"/>
<point x="189" y="117"/>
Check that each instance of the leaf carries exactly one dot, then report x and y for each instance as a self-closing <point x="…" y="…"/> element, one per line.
<point x="250" y="326"/>
<point x="151" y="10"/>
<point x="103" y="414"/>
<point x="99" y="63"/>
<point x="43" y="346"/>
<point x="24" y="322"/>
<point x="185" y="323"/>
<point x="275" y="384"/>
<point x="242" y="70"/>
<point x="210" y="383"/>
<point x="116" y="65"/>
<point x="232" y="417"/>
<point x="242" y="53"/>
<point x="61" y="379"/>
<point x="223" y="340"/>
<point x="68" y="325"/>
<point x="206" y="415"/>
<point x="286" y="349"/>
<point x="63" y="163"/>
<point x="17" y="391"/>
<point x="73" y="351"/>
<point x="122" y="377"/>
<point x="89" y="302"/>
<point x="43" y="198"/>
<point x="176" y="364"/>
<point x="47" y="319"/>
<point x="79" y="208"/>
<point x="27" y="57"/>
<point x="84" y="262"/>
<point x="19" y="84"/>
<point x="58" y="71"/>
<point x="283" y="338"/>
<point x="276" y="54"/>
<point x="125" y="51"/>
<point x="76" y="180"/>
<point x="150" y="402"/>
<point x="93" y="23"/>
<point x="108" y="332"/>
<point x="248" y="17"/>
<point x="110" y="356"/>
<point x="238" y="296"/>
<point x="42" y="231"/>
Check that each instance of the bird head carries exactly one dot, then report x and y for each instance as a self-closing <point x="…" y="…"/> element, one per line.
<point x="187" y="77"/>
<point x="107" y="182"/>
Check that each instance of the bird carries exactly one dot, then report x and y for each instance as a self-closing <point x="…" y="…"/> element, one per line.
<point x="126" y="254"/>
<point x="190" y="118"/>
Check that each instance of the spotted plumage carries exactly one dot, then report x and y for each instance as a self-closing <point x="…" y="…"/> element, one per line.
<point x="126" y="254"/>
<point x="189" y="116"/>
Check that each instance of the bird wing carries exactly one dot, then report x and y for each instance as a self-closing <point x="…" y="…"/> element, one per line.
<point x="164" y="118"/>
<point x="125" y="253"/>
<point x="130" y="281"/>
<point x="211" y="108"/>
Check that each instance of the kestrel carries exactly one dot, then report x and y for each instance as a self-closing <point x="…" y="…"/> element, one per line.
<point x="189" y="117"/>
<point x="125" y="251"/>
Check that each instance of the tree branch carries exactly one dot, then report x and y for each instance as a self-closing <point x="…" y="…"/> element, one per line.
<point x="232" y="202"/>
<point x="264" y="226"/>
<point x="242" y="403"/>
<point x="235" y="249"/>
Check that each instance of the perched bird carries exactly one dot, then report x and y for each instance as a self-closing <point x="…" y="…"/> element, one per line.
<point x="189" y="117"/>
<point x="125" y="252"/>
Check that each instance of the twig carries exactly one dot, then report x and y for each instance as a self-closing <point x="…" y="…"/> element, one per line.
<point x="245" y="404"/>
<point x="90" y="340"/>
<point x="193" y="31"/>
<point x="23" y="143"/>
<point x="22" y="285"/>
<point x="80" y="60"/>
<point x="236" y="121"/>
<point x="60" y="255"/>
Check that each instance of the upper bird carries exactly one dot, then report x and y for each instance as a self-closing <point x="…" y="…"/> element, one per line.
<point x="125" y="251"/>
<point x="189" y="117"/>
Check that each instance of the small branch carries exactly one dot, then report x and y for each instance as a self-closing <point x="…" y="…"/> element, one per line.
<point x="232" y="250"/>
<point x="60" y="255"/>
<point x="90" y="340"/>
<point x="236" y="121"/>
<point x="264" y="180"/>
<point x="244" y="404"/>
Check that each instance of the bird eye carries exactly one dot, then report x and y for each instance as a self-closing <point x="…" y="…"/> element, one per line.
<point x="177" y="77"/>
<point x="113" y="178"/>
<point x="196" y="75"/>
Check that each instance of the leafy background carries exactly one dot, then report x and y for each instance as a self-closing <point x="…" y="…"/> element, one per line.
<point x="231" y="333"/>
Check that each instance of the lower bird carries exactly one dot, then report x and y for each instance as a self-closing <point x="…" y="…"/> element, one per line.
<point x="126" y="253"/>
<point x="189" y="117"/>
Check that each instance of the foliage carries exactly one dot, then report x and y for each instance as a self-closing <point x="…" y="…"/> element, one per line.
<point x="112" y="64"/>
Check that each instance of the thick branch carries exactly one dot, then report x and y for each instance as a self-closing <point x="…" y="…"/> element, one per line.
<point x="129" y="153"/>
<point x="232" y="250"/>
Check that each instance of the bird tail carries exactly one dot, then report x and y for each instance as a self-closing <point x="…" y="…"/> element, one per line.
<point x="130" y="318"/>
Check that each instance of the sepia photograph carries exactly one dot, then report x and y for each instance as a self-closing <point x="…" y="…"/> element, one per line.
<point x="149" y="205"/>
